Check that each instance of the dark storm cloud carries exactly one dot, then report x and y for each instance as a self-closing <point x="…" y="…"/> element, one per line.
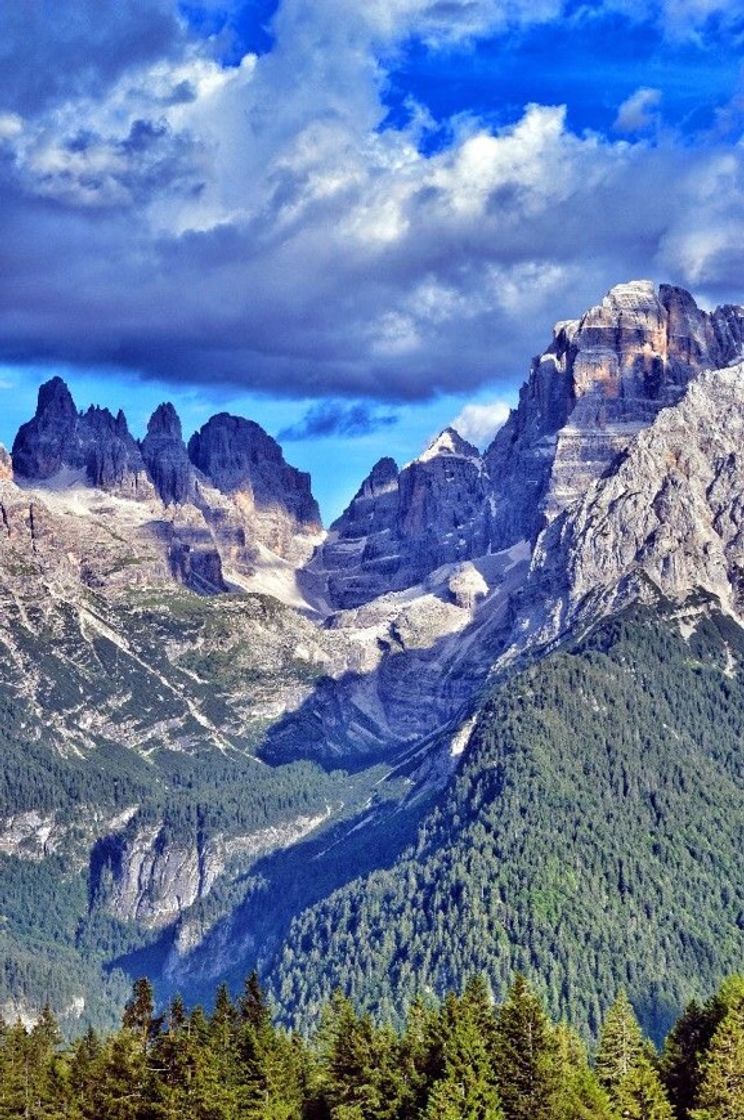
<point x="330" y="418"/>
<point x="255" y="227"/>
<point x="69" y="48"/>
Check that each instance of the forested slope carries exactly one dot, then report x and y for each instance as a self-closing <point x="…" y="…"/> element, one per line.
<point x="592" y="838"/>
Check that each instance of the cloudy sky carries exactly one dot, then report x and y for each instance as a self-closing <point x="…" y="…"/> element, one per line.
<point x="352" y="220"/>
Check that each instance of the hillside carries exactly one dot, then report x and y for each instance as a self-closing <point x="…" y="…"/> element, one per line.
<point x="591" y="838"/>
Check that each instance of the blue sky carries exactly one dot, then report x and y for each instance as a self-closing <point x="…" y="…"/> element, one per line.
<point x="365" y="212"/>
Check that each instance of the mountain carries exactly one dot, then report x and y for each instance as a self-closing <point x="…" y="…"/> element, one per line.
<point x="603" y="379"/>
<point x="591" y="839"/>
<point x="468" y="727"/>
<point x="403" y="525"/>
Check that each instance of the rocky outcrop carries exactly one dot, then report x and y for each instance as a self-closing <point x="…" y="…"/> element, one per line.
<point x="603" y="378"/>
<point x="237" y="455"/>
<point x="6" y="465"/>
<point x="668" y="519"/>
<point x="95" y="443"/>
<point x="166" y="458"/>
<point x="144" y="874"/>
<point x="235" y="500"/>
<point x="400" y="526"/>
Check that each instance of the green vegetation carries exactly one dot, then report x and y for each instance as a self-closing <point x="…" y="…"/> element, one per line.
<point x="591" y="838"/>
<point x="462" y="1059"/>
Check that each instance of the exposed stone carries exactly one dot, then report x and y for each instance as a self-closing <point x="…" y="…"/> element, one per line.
<point x="670" y="516"/>
<point x="602" y="380"/>
<point x="238" y="455"/>
<point x="6" y="465"/>
<point x="165" y="456"/>
<point x="94" y="443"/>
<point x="399" y="527"/>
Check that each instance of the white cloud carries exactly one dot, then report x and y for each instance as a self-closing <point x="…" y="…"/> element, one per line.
<point x="478" y="423"/>
<point x="640" y="111"/>
<point x="255" y="224"/>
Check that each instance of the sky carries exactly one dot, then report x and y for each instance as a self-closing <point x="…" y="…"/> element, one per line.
<point x="354" y="221"/>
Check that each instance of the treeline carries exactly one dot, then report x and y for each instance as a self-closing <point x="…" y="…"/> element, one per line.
<point x="462" y="1059"/>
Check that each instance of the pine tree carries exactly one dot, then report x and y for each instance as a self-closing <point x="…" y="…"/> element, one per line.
<point x="360" y="1069"/>
<point x="466" y="1086"/>
<point x="578" y="1093"/>
<point x="85" y="1071"/>
<point x="139" y="1013"/>
<point x="626" y="1068"/>
<point x="689" y="1041"/>
<point x="640" y="1095"/>
<point x="621" y="1043"/>
<point x="252" y="1005"/>
<point x="525" y="1056"/>
<point x="721" y="1095"/>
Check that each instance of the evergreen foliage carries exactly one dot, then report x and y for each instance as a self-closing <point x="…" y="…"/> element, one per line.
<point x="463" y="1059"/>
<point x="590" y="838"/>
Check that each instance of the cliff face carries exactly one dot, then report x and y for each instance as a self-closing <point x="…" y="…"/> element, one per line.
<point x="229" y="500"/>
<point x="95" y="443"/>
<point x="603" y="378"/>
<point x="670" y="516"/>
<point x="402" y="525"/>
<point x="237" y="455"/>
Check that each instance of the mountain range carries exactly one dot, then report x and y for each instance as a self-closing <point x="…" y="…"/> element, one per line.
<point x="490" y="719"/>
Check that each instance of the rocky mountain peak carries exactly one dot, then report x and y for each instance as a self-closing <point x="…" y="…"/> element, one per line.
<point x="604" y="377"/>
<point x="450" y="442"/>
<point x="95" y="443"/>
<point x="165" y="456"/>
<point x="237" y="455"/>
<point x="55" y="403"/>
<point x="401" y="525"/>
<point x="165" y="421"/>
<point x="668" y="517"/>
<point x="381" y="479"/>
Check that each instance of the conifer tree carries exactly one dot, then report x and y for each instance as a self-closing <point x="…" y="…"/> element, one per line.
<point x="641" y="1095"/>
<point x="721" y="1094"/>
<point x="361" y="1075"/>
<point x="621" y="1043"/>
<point x="85" y="1071"/>
<point x="578" y="1092"/>
<point x="689" y="1040"/>
<point x="466" y="1086"/>
<point x="525" y="1056"/>
<point x="252" y="1005"/>
<point x="626" y="1068"/>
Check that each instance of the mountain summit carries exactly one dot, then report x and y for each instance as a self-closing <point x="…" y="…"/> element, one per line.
<point x="490" y="720"/>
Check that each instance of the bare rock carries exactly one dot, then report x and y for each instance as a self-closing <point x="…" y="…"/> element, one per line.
<point x="94" y="443"/>
<point x="165" y="456"/>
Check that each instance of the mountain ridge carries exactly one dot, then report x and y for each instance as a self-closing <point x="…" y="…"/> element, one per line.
<point x="174" y="618"/>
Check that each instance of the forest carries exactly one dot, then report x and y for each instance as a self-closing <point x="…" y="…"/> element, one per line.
<point x="462" y="1058"/>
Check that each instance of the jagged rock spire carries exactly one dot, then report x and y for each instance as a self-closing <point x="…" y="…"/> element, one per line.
<point x="237" y="454"/>
<point x="165" y="456"/>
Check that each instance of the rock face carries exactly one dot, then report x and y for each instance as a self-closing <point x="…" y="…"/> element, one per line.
<point x="670" y="516"/>
<point x="94" y="442"/>
<point x="235" y="501"/>
<point x="603" y="379"/>
<point x="165" y="456"/>
<point x="6" y="465"/>
<point x="237" y="455"/>
<point x="400" y="526"/>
